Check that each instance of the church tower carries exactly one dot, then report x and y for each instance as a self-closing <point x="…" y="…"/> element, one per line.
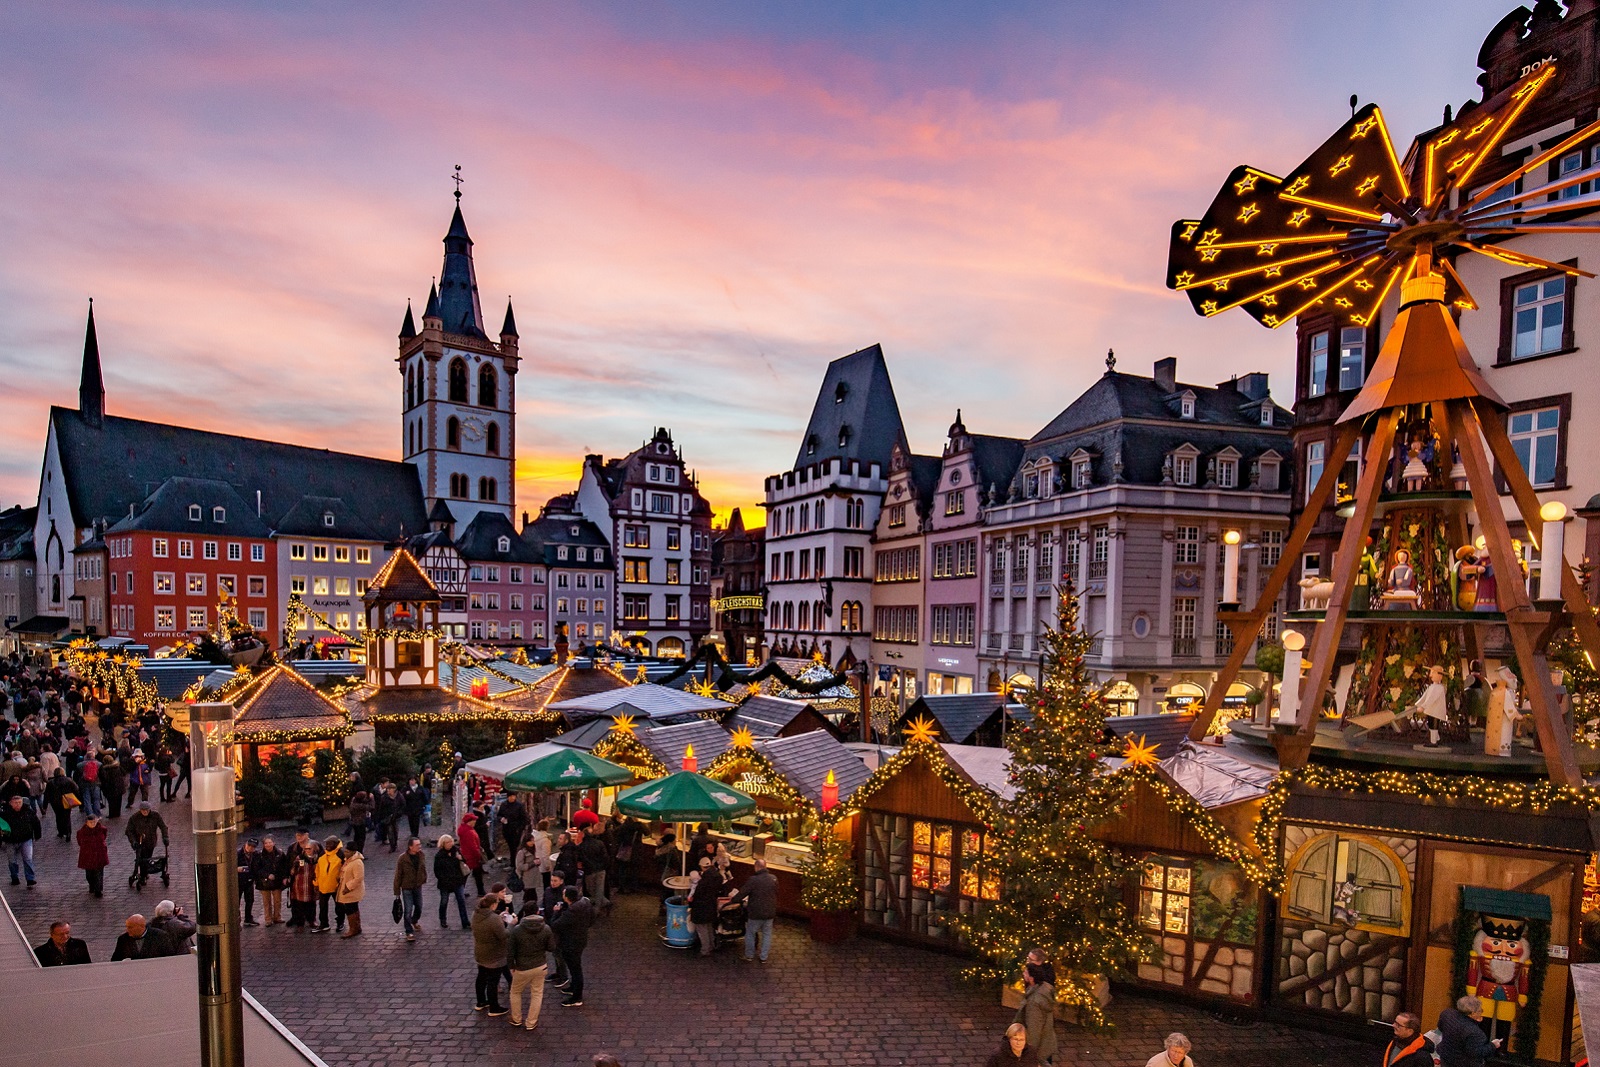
<point x="459" y="393"/>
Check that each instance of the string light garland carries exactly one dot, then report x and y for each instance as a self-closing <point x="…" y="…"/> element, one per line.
<point x="621" y="746"/>
<point x="739" y="760"/>
<point x="114" y="674"/>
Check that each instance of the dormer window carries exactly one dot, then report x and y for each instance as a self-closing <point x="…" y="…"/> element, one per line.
<point x="1082" y="473"/>
<point x="599" y="557"/>
<point x="219" y="514"/>
<point x="1186" y="406"/>
<point x="1227" y="473"/>
<point x="327" y="518"/>
<point x="1266" y="414"/>
<point x="840" y="391"/>
<point x="1183" y="465"/>
<point x="1268" y="466"/>
<point x="844" y="435"/>
<point x="504" y="544"/>
<point x="194" y="512"/>
<point x="811" y="445"/>
<point x="574" y="530"/>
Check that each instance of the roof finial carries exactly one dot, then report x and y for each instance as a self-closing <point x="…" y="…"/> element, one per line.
<point x="458" y="179"/>
<point x="1111" y="361"/>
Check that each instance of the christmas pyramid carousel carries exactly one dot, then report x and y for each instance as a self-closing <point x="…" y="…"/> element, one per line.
<point x="1346" y="229"/>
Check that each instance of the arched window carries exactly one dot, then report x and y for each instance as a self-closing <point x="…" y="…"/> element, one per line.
<point x="822" y="515"/>
<point x="491" y="439"/>
<point x="411" y="388"/>
<point x="458" y="381"/>
<point x="488" y="489"/>
<point x="788" y="615"/>
<point x="458" y="486"/>
<point x="411" y="438"/>
<point x="452" y="432"/>
<point x="805" y="615"/>
<point x="817" y="615"/>
<point x="488" y="386"/>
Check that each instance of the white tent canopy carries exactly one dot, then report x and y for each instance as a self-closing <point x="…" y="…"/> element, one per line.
<point x="504" y="763"/>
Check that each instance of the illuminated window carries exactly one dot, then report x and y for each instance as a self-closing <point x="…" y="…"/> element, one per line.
<point x="408" y="654"/>
<point x="363" y="555"/>
<point x="931" y="847"/>
<point x="1164" y="887"/>
<point x="197" y="618"/>
<point x="973" y="845"/>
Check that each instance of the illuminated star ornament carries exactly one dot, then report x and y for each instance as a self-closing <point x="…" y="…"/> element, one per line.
<point x="1354" y="220"/>
<point x="623" y="724"/>
<point x="1140" y="752"/>
<point x="921" y="731"/>
<point x="704" y="688"/>
<point x="742" y="738"/>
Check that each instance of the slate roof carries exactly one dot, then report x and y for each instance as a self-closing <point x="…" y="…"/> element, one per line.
<point x="586" y="736"/>
<point x="988" y="768"/>
<point x="649" y="701"/>
<point x="172" y="676"/>
<point x="857" y="394"/>
<point x="480" y="541"/>
<point x="116" y="465"/>
<point x="996" y="459"/>
<point x="925" y="471"/>
<point x="1097" y="421"/>
<point x="667" y="743"/>
<point x="472" y="672"/>
<point x="550" y="530"/>
<point x="765" y="716"/>
<point x="280" y="701"/>
<point x="401" y="579"/>
<point x="531" y="674"/>
<point x="579" y="683"/>
<point x="308" y="518"/>
<point x="167" y="510"/>
<point x="459" y="308"/>
<point x="959" y="715"/>
<point x="16" y="532"/>
<point x="1165" y="731"/>
<point x="805" y="759"/>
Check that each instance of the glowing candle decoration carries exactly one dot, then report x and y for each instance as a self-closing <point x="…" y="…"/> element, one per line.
<point x="1289" y="701"/>
<point x="830" y="793"/>
<point x="1552" y="551"/>
<point x="1230" y="567"/>
<point x="690" y="763"/>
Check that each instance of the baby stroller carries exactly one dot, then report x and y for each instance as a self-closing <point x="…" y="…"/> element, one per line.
<point x="730" y="924"/>
<point x="147" y="869"/>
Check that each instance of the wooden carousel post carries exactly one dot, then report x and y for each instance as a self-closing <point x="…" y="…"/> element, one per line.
<point x="1582" y="614"/>
<point x="1521" y="620"/>
<point x="1246" y="625"/>
<point x="1325" y="642"/>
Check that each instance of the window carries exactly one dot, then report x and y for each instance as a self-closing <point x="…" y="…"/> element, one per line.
<point x="1352" y="359"/>
<point x="822" y="562"/>
<point x="341" y="587"/>
<point x="663" y="503"/>
<point x="1227" y="473"/>
<point x="1019" y="560"/>
<point x="488" y="387"/>
<point x="208" y="549"/>
<point x="341" y="553"/>
<point x="931" y="848"/>
<point x="516" y="575"/>
<point x="1329" y="861"/>
<point x="1186" y="406"/>
<point x="1315" y="458"/>
<point x="852" y="562"/>
<point x="166" y="619"/>
<point x="361" y="587"/>
<point x="408" y="653"/>
<point x="1183" y="616"/>
<point x="897" y="515"/>
<point x="562" y="581"/>
<point x="319" y="585"/>
<point x="1188" y="545"/>
<point x="488" y="489"/>
<point x="856" y="514"/>
<point x="516" y="630"/>
<point x="1164" y="902"/>
<point x="493" y="573"/>
<point x="228" y="584"/>
<point x="955" y="502"/>
<point x="1564" y="168"/>
<point x="197" y="618"/>
<point x="805" y="564"/>
<point x="341" y="621"/>
<point x="196" y="585"/>
<point x="491" y="601"/>
<point x="1099" y="550"/>
<point x="1046" y="562"/>
<point x="583" y="580"/>
<point x="1317" y="365"/>
<point x="634" y="570"/>
<point x="458" y="381"/>
<point x="599" y="581"/>
<point x="1536" y="437"/>
<point x="319" y="553"/>
<point x="158" y="548"/>
<point x="670" y="475"/>
<point x="952" y="625"/>
<point x="186" y="550"/>
<point x="1538" y="317"/>
<point x="636" y="536"/>
<point x="163" y="581"/>
<point x="675" y="572"/>
<point x="1267" y="415"/>
<point x="452" y="432"/>
<point x="459" y="486"/>
<point x="363" y="555"/>
<point x="297" y="583"/>
<point x="194" y="512"/>
<point x="895" y="623"/>
<point x="235" y="552"/>
<point x="897" y="565"/>
<point x="297" y="551"/>
<point x="219" y="514"/>
<point x="1082" y="473"/>
<point x="1267" y="473"/>
<point x="1271" y="547"/>
<point x="673" y="539"/>
<point x="1183" y="468"/>
<point x="258" y="618"/>
<point x="256" y="585"/>
<point x="673" y="612"/>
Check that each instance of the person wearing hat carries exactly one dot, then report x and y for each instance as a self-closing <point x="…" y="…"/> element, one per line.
<point x="93" y="857"/>
<point x="471" y="848"/>
<point x="139" y="779"/>
<point x="144" y="828"/>
<point x="327" y="878"/>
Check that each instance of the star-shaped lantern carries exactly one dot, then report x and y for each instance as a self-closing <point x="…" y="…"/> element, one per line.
<point x="921" y="731"/>
<point x="623" y="724"/>
<point x="742" y="738"/>
<point x="1140" y="752"/>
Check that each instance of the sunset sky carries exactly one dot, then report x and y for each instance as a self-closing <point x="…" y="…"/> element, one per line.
<point x="694" y="206"/>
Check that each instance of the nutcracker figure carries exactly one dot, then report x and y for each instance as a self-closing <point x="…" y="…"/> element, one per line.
<point x="1497" y="970"/>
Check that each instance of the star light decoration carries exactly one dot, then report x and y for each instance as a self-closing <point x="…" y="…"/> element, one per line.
<point x="1140" y="752"/>
<point x="1354" y="219"/>
<point x="623" y="724"/>
<point x="921" y="731"/>
<point x="742" y="738"/>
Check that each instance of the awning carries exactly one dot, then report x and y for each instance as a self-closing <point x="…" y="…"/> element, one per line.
<point x="42" y="625"/>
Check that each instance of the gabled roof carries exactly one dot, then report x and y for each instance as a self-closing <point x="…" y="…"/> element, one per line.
<point x="856" y="416"/>
<point x="586" y="736"/>
<point x="958" y="715"/>
<point x="996" y="458"/>
<point x="167" y="510"/>
<point x="580" y="683"/>
<point x="924" y="471"/>
<point x="765" y="716"/>
<point x="472" y="673"/>
<point x="480" y="541"/>
<point x="987" y="768"/>
<point x="401" y="579"/>
<point x="16" y="532"/>
<point x="667" y="743"/>
<point x="805" y="759"/>
<point x="309" y="518"/>
<point x="1165" y="731"/>
<point x="279" y="702"/>
<point x="114" y="466"/>
<point x="546" y="533"/>
<point x="647" y="700"/>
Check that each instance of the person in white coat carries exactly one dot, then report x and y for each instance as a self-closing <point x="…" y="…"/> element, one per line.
<point x="1504" y="711"/>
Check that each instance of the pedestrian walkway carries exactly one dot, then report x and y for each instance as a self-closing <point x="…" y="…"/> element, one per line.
<point x="376" y="1001"/>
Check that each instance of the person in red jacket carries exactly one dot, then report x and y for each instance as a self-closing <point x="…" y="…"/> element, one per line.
<point x="471" y="848"/>
<point x="92" y="855"/>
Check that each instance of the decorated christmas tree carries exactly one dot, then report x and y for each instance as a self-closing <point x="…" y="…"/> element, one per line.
<point x="1061" y="887"/>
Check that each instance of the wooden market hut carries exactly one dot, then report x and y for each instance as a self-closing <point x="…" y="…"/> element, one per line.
<point x="771" y="716"/>
<point x="279" y="711"/>
<point x="965" y="718"/>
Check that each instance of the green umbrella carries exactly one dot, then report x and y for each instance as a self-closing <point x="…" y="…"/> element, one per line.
<point x="684" y="797"/>
<point x="566" y="771"/>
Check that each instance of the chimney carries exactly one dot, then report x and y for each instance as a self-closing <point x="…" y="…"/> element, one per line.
<point x="1166" y="374"/>
<point x="1254" y="385"/>
<point x="524" y="520"/>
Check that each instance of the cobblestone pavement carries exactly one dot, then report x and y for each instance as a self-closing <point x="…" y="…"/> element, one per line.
<point x="376" y="1000"/>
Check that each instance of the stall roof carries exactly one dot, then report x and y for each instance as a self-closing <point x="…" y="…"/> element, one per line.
<point x="503" y="763"/>
<point x="473" y="672"/>
<point x="527" y="674"/>
<point x="805" y="759"/>
<point x="989" y="768"/>
<point x="585" y="737"/>
<point x="960" y="715"/>
<point x="647" y="700"/>
<point x="1165" y="731"/>
<point x="279" y="701"/>
<point x="766" y="716"/>
<point x="667" y="743"/>
<point x="172" y="676"/>
<point x="1214" y="777"/>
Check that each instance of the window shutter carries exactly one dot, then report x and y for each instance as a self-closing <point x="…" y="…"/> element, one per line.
<point x="1311" y="882"/>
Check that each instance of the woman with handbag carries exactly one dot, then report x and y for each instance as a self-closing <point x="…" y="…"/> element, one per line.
<point x="450" y="874"/>
<point x="61" y="793"/>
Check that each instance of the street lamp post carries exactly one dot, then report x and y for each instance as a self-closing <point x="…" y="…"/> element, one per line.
<point x="216" y="881"/>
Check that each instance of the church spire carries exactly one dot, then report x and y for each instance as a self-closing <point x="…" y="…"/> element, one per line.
<point x="408" y="328"/>
<point x="509" y="327"/>
<point x="458" y="282"/>
<point x="91" y="386"/>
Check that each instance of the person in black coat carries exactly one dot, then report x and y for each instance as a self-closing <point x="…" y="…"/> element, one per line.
<point x="56" y="792"/>
<point x="512" y="823"/>
<point x="566" y="858"/>
<point x="1464" y="1043"/>
<point x="386" y="812"/>
<point x="269" y="869"/>
<point x="1409" y="1047"/>
<point x="62" y="950"/>
<point x="451" y="879"/>
<point x="703" y="904"/>
<point x="415" y="803"/>
<point x="141" y="942"/>
<point x="572" y="937"/>
<point x="22" y="829"/>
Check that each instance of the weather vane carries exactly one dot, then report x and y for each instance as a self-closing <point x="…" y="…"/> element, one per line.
<point x="1353" y="219"/>
<point x="458" y="179"/>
